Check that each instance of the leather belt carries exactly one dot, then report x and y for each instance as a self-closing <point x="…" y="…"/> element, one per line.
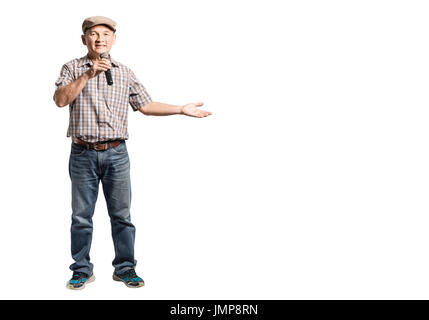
<point x="99" y="146"/>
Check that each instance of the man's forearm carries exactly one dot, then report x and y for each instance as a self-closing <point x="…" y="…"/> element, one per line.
<point x="65" y="95"/>
<point x="160" y="109"/>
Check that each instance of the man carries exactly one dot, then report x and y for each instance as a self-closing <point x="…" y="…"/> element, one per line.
<point x="98" y="127"/>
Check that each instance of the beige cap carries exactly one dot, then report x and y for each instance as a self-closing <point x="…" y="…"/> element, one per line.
<point x="97" y="20"/>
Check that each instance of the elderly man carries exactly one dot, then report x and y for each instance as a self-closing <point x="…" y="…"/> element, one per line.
<point x="98" y="128"/>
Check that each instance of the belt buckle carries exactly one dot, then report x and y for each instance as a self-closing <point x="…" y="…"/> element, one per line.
<point x="99" y="148"/>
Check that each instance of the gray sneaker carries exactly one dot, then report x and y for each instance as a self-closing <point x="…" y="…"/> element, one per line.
<point x="79" y="280"/>
<point x="130" y="279"/>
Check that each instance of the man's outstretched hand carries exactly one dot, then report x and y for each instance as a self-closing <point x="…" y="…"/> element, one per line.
<point x="191" y="110"/>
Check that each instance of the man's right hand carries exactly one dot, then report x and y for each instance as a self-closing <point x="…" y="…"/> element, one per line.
<point x="98" y="66"/>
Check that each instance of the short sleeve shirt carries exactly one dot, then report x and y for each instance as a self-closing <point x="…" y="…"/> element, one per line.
<point x="100" y="111"/>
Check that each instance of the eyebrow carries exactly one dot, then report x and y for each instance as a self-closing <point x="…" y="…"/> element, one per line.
<point x="105" y="31"/>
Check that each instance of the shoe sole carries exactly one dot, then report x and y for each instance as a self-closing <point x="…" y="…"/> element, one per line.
<point x="90" y="279"/>
<point x="116" y="278"/>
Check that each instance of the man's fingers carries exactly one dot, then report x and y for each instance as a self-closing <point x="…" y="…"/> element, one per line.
<point x="203" y="114"/>
<point x="199" y="104"/>
<point x="103" y="64"/>
<point x="99" y="69"/>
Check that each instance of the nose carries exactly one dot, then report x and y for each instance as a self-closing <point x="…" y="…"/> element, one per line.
<point x="100" y="38"/>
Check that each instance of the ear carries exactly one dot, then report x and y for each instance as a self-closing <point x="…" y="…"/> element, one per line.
<point x="114" y="38"/>
<point x="83" y="39"/>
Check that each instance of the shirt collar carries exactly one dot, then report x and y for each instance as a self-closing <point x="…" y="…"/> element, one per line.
<point x="87" y="61"/>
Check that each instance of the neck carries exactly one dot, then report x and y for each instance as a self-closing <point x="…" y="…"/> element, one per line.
<point x="94" y="56"/>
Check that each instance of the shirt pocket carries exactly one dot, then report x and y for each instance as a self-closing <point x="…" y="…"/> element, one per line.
<point x="117" y="96"/>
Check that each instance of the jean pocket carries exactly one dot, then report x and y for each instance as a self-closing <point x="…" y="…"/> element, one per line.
<point x="120" y="149"/>
<point x="77" y="150"/>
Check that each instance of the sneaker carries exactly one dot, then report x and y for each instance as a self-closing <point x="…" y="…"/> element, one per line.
<point x="130" y="279"/>
<point x="78" y="280"/>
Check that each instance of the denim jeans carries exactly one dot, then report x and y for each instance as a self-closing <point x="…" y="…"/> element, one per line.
<point x="87" y="167"/>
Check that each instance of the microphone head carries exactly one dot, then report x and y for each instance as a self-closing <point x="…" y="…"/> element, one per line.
<point x="104" y="55"/>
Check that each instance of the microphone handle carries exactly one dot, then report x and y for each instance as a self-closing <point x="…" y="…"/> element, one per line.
<point x="109" y="79"/>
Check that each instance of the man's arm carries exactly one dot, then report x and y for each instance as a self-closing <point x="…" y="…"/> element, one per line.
<point x="66" y="94"/>
<point x="162" y="109"/>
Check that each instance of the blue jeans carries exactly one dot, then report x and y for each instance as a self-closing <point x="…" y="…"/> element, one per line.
<point x="87" y="167"/>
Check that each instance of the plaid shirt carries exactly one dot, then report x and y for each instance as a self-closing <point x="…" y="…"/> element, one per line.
<point x="100" y="112"/>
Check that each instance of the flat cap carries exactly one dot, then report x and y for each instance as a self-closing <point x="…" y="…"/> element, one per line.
<point x="97" y="20"/>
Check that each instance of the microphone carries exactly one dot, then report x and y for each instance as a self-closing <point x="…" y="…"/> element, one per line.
<point x="107" y="73"/>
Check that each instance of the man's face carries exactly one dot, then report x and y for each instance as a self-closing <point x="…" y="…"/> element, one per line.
<point x="98" y="39"/>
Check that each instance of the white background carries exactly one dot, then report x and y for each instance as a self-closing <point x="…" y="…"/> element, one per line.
<point x="309" y="181"/>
